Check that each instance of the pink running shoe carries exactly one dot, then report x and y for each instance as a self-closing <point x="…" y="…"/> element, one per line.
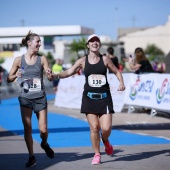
<point x="108" y="148"/>
<point x="96" y="159"/>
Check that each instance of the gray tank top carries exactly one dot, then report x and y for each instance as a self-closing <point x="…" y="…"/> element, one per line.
<point x="32" y="85"/>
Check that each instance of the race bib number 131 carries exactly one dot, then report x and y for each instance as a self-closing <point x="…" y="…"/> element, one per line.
<point x="96" y="80"/>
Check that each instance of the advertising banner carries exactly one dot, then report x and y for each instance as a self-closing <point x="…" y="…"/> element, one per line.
<point x="149" y="90"/>
<point x="69" y="94"/>
<point x="118" y="96"/>
<point x="145" y="90"/>
<point x="162" y="92"/>
<point x="140" y="90"/>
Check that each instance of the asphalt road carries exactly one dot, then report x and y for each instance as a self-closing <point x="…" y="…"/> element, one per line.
<point x="155" y="156"/>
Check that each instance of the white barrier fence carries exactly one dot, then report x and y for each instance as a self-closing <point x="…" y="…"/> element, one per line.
<point x="145" y="90"/>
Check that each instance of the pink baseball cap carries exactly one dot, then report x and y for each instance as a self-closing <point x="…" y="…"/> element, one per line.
<point x="92" y="36"/>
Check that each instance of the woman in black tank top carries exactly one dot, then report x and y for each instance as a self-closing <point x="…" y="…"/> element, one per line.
<point x="96" y="99"/>
<point x="32" y="97"/>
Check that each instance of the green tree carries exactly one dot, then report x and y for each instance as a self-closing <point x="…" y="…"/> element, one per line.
<point x="2" y="60"/>
<point x="73" y="60"/>
<point x="78" y="45"/>
<point x="153" y="52"/>
<point x="49" y="56"/>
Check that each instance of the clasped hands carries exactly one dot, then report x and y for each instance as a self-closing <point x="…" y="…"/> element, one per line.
<point x="51" y="75"/>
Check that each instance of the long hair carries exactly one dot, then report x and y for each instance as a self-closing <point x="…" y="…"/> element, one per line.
<point x="139" y="58"/>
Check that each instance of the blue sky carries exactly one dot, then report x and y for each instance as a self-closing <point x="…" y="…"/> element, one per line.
<point x="104" y="16"/>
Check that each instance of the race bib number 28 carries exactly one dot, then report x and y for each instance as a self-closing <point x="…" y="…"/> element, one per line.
<point x="96" y="80"/>
<point x="35" y="85"/>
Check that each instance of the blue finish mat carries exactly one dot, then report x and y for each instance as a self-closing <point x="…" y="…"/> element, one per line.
<point x="65" y="131"/>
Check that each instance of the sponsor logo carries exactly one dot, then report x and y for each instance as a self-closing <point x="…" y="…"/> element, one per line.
<point x="161" y="92"/>
<point x="134" y="89"/>
<point x="141" y="87"/>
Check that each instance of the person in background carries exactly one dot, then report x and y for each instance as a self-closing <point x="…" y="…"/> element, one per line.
<point x="114" y="59"/>
<point x="97" y="102"/>
<point x="155" y="66"/>
<point x="1" y="74"/>
<point x="33" y="96"/>
<point x="121" y="67"/>
<point x="126" y="64"/>
<point x="1" y="79"/>
<point x="140" y="64"/>
<point x="161" y="67"/>
<point x="57" y="68"/>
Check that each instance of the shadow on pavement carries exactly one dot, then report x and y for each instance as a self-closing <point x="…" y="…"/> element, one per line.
<point x="165" y="126"/>
<point x="17" y="161"/>
<point x="6" y="133"/>
<point x="50" y="130"/>
<point x="155" y="126"/>
<point x="139" y="156"/>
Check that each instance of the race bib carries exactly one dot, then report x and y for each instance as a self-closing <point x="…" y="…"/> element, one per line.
<point x="96" y="80"/>
<point x="32" y="84"/>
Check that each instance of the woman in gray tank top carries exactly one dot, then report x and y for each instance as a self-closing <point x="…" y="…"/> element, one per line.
<point x="32" y="97"/>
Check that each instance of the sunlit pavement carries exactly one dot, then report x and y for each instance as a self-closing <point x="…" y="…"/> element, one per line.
<point x="69" y="136"/>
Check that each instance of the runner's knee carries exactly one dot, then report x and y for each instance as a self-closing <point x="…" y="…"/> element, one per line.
<point x="95" y="128"/>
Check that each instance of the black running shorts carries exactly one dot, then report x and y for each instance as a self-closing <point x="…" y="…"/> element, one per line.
<point x="101" y="106"/>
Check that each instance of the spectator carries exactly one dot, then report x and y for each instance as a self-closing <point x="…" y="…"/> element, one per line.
<point x="1" y="78"/>
<point x="161" y="67"/>
<point x="1" y="74"/>
<point x="114" y="59"/>
<point x="121" y="67"/>
<point x="140" y="64"/>
<point x="126" y="64"/>
<point x="57" y="68"/>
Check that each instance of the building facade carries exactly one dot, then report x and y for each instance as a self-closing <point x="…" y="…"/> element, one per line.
<point x="158" y="35"/>
<point x="52" y="40"/>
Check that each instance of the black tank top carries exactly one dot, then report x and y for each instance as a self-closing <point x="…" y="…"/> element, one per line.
<point x="95" y="76"/>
